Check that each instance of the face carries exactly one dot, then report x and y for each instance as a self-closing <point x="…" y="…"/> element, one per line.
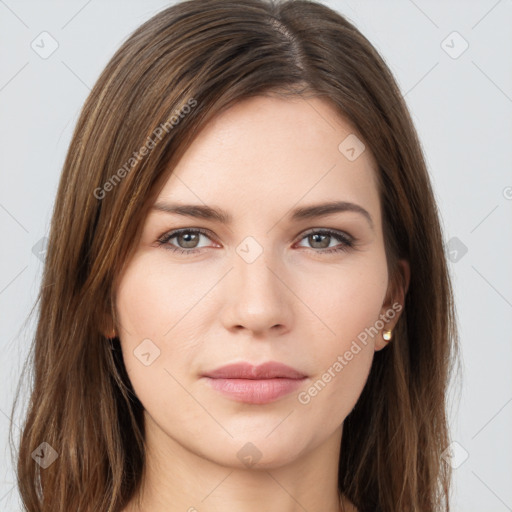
<point x="270" y="284"/>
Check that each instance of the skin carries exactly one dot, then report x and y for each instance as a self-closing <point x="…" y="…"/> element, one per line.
<point x="294" y="304"/>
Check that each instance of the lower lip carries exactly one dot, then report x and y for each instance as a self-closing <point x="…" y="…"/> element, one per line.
<point x="255" y="391"/>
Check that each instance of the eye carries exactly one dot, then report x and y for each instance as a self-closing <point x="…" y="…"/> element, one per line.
<point x="188" y="240"/>
<point x="322" y="238"/>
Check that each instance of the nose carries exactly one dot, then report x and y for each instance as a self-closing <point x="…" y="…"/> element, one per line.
<point x="257" y="298"/>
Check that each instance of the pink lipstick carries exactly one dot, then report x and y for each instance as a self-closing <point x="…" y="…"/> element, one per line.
<point x="244" y="382"/>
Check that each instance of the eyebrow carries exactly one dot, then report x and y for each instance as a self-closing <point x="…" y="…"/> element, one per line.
<point x="301" y="213"/>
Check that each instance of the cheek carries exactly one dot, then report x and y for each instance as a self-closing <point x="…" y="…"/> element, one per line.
<point x="334" y="392"/>
<point x="157" y="326"/>
<point x="151" y="299"/>
<point x="145" y="313"/>
<point x="343" y="360"/>
<point x="347" y="300"/>
<point x="349" y="308"/>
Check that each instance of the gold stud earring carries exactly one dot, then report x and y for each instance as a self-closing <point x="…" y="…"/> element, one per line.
<point x="387" y="335"/>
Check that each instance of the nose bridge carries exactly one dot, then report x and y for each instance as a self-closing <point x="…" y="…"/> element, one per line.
<point x="258" y="298"/>
<point x="253" y="271"/>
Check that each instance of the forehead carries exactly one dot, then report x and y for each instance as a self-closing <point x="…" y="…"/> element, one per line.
<point x="275" y="152"/>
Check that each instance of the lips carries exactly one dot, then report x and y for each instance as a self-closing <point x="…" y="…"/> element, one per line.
<point x="244" y="382"/>
<point x="270" y="370"/>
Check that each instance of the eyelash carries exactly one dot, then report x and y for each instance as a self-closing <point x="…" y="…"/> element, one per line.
<point x="346" y="241"/>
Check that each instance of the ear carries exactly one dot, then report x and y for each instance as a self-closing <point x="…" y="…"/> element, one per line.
<point x="394" y="303"/>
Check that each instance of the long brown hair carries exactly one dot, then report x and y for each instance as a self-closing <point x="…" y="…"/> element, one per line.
<point x="171" y="76"/>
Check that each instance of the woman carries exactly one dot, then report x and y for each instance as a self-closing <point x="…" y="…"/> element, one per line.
<point x="245" y="303"/>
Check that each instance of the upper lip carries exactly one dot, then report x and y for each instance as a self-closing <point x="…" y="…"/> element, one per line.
<point x="270" y="370"/>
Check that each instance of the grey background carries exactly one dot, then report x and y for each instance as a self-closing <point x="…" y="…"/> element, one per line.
<point x="462" y="108"/>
